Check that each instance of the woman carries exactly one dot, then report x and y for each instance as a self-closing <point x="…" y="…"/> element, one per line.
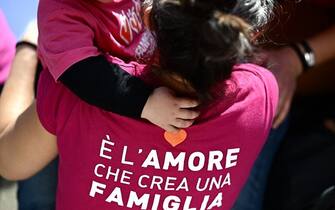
<point x="112" y="162"/>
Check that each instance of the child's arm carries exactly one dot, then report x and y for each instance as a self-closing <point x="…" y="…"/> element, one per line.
<point x="113" y="89"/>
<point x="107" y="86"/>
<point x="69" y="50"/>
<point x="25" y="146"/>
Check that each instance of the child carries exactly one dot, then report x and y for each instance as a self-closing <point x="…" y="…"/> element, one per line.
<point x="83" y="43"/>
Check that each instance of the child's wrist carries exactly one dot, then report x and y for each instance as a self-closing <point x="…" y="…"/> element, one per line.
<point x="145" y="111"/>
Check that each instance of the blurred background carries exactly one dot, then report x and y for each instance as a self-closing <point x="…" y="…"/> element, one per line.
<point x="18" y="14"/>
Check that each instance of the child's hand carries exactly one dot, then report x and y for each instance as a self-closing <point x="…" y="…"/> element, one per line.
<point x="169" y="112"/>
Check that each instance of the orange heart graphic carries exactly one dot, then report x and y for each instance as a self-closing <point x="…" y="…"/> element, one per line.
<point x="175" y="138"/>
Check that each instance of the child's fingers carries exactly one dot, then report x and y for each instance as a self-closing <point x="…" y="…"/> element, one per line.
<point x="180" y="123"/>
<point x="170" y="128"/>
<point x="187" y="114"/>
<point x="187" y="103"/>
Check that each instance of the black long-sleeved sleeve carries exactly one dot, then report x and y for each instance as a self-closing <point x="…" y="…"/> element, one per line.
<point x="107" y="86"/>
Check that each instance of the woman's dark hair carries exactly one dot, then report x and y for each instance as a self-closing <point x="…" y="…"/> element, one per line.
<point x="201" y="40"/>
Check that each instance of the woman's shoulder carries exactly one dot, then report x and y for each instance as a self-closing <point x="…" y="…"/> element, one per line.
<point x="248" y="79"/>
<point x="254" y="79"/>
<point x="248" y="73"/>
<point x="250" y="88"/>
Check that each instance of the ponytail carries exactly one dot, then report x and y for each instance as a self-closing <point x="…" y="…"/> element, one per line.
<point x="201" y="40"/>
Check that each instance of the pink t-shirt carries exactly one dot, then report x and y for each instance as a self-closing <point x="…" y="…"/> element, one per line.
<point x="7" y="48"/>
<point x="112" y="162"/>
<point x="72" y="30"/>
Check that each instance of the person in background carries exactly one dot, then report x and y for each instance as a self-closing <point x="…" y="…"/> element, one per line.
<point x="39" y="191"/>
<point x="302" y="59"/>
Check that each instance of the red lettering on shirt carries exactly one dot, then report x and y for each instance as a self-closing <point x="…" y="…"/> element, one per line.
<point x="130" y="21"/>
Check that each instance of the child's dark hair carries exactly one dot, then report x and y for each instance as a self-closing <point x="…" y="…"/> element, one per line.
<point x="201" y="40"/>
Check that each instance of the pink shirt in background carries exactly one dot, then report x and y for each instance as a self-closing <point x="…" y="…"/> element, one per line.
<point x="72" y="30"/>
<point x="112" y="162"/>
<point x="7" y="48"/>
